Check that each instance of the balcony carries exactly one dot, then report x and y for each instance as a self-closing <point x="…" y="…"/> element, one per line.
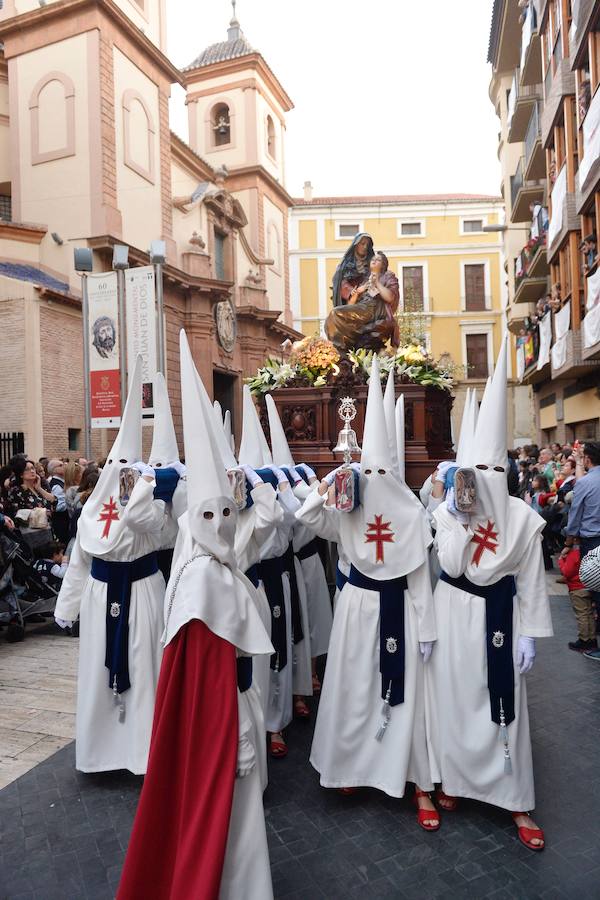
<point x="590" y="325"/>
<point x="521" y="101"/>
<point x="531" y="272"/>
<point x="566" y="357"/>
<point x="583" y="12"/>
<point x="531" y="49"/>
<point x="535" y="159"/>
<point x="564" y="215"/>
<point x="588" y="175"/>
<point x="558" y="84"/>
<point x="523" y="193"/>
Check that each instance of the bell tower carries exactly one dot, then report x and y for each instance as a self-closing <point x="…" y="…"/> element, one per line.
<point x="237" y="118"/>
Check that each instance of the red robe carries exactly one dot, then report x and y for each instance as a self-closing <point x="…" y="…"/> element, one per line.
<point x="179" y="836"/>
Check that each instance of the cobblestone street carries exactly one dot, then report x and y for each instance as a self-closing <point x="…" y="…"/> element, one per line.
<point x="64" y="834"/>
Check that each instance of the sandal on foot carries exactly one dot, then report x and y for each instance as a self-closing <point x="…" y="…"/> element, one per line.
<point x="448" y="803"/>
<point x="316" y="684"/>
<point x="426" y="816"/>
<point x="278" y="747"/>
<point x="301" y="710"/>
<point x="528" y="835"/>
<point x="348" y="791"/>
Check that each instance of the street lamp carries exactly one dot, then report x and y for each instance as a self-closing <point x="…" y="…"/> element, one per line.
<point x="489" y="229"/>
<point x="158" y="257"/>
<point x="120" y="262"/>
<point x="84" y="263"/>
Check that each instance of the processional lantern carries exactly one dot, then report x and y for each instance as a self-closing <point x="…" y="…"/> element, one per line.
<point x="346" y="479"/>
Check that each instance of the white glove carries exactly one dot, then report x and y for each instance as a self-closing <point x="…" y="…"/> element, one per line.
<point x="296" y="477"/>
<point x="330" y="477"/>
<point x="144" y="469"/>
<point x="279" y="475"/>
<point x="246" y="758"/>
<point x="525" y="654"/>
<point x="63" y="623"/>
<point x="251" y="475"/>
<point x="178" y="466"/>
<point x="426" y="647"/>
<point x="443" y="468"/>
<point x="310" y="473"/>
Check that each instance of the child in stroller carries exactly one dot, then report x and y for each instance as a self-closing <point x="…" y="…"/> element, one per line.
<point x="24" y="592"/>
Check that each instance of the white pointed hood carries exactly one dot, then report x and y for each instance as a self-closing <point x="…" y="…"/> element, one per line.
<point x="218" y="409"/>
<point x="103" y="518"/>
<point x="212" y="514"/>
<point x="164" y="443"/>
<point x="387" y="535"/>
<point x="254" y="449"/>
<point x="466" y="437"/>
<point x="280" y="449"/>
<point x="389" y="411"/>
<point x="503" y="526"/>
<point x="400" y="437"/>
<point x="228" y="429"/>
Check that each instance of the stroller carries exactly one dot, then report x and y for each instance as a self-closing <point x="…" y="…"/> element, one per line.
<point x="23" y="592"/>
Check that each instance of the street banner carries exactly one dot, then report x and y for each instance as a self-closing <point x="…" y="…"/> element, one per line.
<point x="559" y="192"/>
<point x="593" y="290"/>
<point x="562" y="321"/>
<point x="140" y="301"/>
<point x="545" y="326"/>
<point x="103" y="325"/>
<point x="591" y="139"/>
<point x="591" y="326"/>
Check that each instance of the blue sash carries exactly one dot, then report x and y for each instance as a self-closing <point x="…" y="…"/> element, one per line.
<point x="499" y="639"/>
<point x="119" y="576"/>
<point x="340" y="579"/>
<point x="244" y="673"/>
<point x="270" y="572"/>
<point x="391" y="632"/>
<point x="288" y="566"/>
<point x="268" y="476"/>
<point x="166" y="482"/>
<point x="253" y="575"/>
<point x="165" y="558"/>
<point x="309" y="549"/>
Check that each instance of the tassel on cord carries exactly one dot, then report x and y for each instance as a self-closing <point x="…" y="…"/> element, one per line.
<point x="504" y="736"/>
<point x="386" y="712"/>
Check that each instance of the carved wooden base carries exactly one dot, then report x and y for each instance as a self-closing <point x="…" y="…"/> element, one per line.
<point x="311" y="423"/>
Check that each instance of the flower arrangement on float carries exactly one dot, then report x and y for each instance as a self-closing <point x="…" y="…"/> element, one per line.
<point x="314" y="362"/>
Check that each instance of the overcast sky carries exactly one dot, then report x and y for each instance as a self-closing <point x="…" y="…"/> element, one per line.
<point x="390" y="96"/>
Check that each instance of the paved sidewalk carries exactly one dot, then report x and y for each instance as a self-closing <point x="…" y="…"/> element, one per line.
<point x="64" y="834"/>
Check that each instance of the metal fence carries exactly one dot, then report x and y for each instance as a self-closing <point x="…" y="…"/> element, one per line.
<point x="11" y="443"/>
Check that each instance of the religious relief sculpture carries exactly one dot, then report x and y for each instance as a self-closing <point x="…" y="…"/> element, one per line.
<point x="365" y="300"/>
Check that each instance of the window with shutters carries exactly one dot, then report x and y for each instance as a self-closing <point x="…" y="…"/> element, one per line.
<point x="412" y="288"/>
<point x="220" y="255"/>
<point x="477" y="355"/>
<point x="346" y="231"/>
<point x="472" y="226"/>
<point x="474" y="287"/>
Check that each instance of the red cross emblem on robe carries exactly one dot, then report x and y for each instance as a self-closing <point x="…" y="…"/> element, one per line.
<point x="379" y="533"/>
<point x="486" y="539"/>
<point x="108" y="515"/>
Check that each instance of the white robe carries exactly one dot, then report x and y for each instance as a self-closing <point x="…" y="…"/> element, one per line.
<point x="466" y="750"/>
<point x="344" y="750"/>
<point x="320" y="615"/>
<point x="103" y="743"/>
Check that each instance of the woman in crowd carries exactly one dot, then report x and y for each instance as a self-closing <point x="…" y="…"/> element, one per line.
<point x="27" y="492"/>
<point x="73" y="474"/>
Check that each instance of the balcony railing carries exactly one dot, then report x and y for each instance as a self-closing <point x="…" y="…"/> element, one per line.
<point x="516" y="182"/>
<point x="529" y="27"/>
<point x="553" y="65"/>
<point x="512" y="98"/>
<point x="532" y="134"/>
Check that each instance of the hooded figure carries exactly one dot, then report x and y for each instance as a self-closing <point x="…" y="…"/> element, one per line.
<point x="114" y="585"/>
<point x="490" y="604"/>
<point x="353" y="270"/>
<point x="164" y="459"/>
<point x="382" y="629"/>
<point x="306" y="547"/>
<point x="200" y="832"/>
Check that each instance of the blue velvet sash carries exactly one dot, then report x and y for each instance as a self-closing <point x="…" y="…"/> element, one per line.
<point x="290" y="568"/>
<point x="499" y="639"/>
<point x="391" y="632"/>
<point x="309" y="549"/>
<point x="340" y="579"/>
<point x="166" y="482"/>
<point x="244" y="673"/>
<point x="270" y="572"/>
<point x="253" y="575"/>
<point x="165" y="559"/>
<point x="119" y="576"/>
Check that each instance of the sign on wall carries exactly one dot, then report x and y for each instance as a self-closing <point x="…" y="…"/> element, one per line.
<point x="140" y="301"/>
<point x="104" y="339"/>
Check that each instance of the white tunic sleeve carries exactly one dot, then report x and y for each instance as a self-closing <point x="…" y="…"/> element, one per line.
<point x="322" y="520"/>
<point x="71" y="589"/>
<point x="421" y="598"/>
<point x="290" y="506"/>
<point x="268" y="512"/>
<point x="144" y="513"/>
<point x="452" y="541"/>
<point x="532" y="596"/>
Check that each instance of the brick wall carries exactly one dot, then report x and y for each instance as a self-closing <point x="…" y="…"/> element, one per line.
<point x="12" y="395"/>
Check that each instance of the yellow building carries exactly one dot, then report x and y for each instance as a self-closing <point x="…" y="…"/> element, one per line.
<point x="450" y="269"/>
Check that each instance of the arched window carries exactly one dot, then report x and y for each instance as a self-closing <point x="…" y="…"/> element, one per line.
<point x="52" y="113"/>
<point x="138" y="135"/>
<point x="220" y="121"/>
<point x="274" y="246"/>
<point x="271" y="143"/>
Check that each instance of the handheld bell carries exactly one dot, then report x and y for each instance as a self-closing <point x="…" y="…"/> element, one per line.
<point x="347" y="442"/>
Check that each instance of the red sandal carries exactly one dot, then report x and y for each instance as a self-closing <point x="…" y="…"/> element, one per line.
<point x="425" y="815"/>
<point x="278" y="746"/>
<point x="443" y="798"/>
<point x="301" y="710"/>
<point x="348" y="791"/>
<point x="527" y="835"/>
<point x="316" y="685"/>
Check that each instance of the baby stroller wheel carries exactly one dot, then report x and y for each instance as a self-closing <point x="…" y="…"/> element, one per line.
<point x="15" y="632"/>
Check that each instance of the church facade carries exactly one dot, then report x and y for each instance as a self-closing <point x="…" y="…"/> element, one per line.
<point x="87" y="158"/>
